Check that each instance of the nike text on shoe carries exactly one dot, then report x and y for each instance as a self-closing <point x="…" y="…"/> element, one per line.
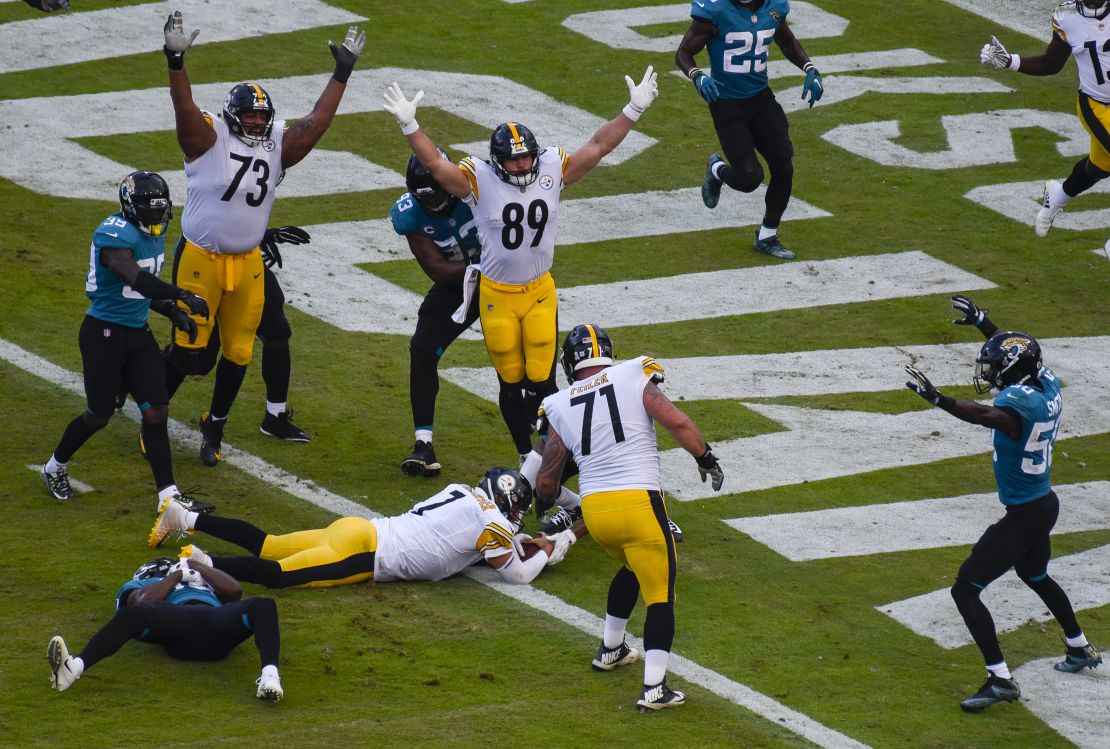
<point x="710" y="185"/>
<point x="1049" y="210"/>
<point x="171" y="520"/>
<point x="608" y="659"/>
<point x="1077" y="659"/>
<point x="211" y="436"/>
<point x="57" y="484"/>
<point x="561" y="520"/>
<point x="269" y="688"/>
<point x="197" y="554"/>
<point x="422" y="462"/>
<point x="659" y="697"/>
<point x="282" y="427"/>
<point x="62" y="674"/>
<point x="994" y="690"/>
<point x="773" y="247"/>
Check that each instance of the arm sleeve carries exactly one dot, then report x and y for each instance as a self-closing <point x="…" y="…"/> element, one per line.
<point x="523" y="571"/>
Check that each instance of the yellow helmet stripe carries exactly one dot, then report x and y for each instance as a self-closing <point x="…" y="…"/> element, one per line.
<point x="594" y="351"/>
<point x="259" y="94"/>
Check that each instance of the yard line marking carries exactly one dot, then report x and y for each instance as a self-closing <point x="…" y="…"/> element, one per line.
<point x="1074" y="705"/>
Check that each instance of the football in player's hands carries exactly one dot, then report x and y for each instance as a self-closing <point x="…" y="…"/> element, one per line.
<point x="531" y="546"/>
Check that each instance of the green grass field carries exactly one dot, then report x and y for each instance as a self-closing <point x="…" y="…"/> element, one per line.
<point x="457" y="663"/>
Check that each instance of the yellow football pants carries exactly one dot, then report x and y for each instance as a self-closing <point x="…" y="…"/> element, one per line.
<point x="520" y="325"/>
<point x="629" y="525"/>
<point x="322" y="547"/>
<point x="1095" y="117"/>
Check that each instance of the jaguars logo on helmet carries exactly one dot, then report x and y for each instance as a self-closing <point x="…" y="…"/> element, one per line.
<point x="507" y="489"/>
<point x="586" y="346"/>
<point x="1008" y="358"/>
<point x="511" y="140"/>
<point x="249" y="97"/>
<point x="144" y="198"/>
<point x="155" y="568"/>
<point x="426" y="190"/>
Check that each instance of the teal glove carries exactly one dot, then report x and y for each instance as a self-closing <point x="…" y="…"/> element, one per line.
<point x="707" y="87"/>
<point x="813" y="85"/>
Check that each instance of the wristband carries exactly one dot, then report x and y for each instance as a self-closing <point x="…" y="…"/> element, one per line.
<point x="410" y="127"/>
<point x="1015" y="62"/>
<point x="175" y="60"/>
<point x="631" y="111"/>
<point x="693" y="73"/>
<point x="706" y="459"/>
<point x="807" y="66"/>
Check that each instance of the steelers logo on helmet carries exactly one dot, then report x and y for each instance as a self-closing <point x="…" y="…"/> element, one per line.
<point x="586" y="346"/>
<point x="249" y="113"/>
<point x="144" y="199"/>
<point x="513" y="142"/>
<point x="507" y="489"/>
<point x="1093" y="8"/>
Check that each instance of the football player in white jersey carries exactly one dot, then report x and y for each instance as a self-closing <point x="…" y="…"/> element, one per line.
<point x="233" y="164"/>
<point x="438" y="537"/>
<point x="1080" y="28"/>
<point x="514" y="196"/>
<point x="605" y="421"/>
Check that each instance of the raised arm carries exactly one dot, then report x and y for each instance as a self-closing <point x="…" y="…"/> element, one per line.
<point x="609" y="135"/>
<point x="194" y="134"/>
<point x="449" y="176"/>
<point x="303" y="134"/>
<point x="1003" y="419"/>
<point x="1049" y="62"/>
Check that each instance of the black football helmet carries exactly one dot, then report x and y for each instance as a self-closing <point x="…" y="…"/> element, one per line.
<point x="586" y="346"/>
<point x="1008" y="358"/>
<point x="155" y="568"/>
<point x="144" y="198"/>
<point x="511" y="140"/>
<point x="507" y="489"/>
<point x="1093" y="8"/>
<point x="249" y="97"/>
<point x="428" y="193"/>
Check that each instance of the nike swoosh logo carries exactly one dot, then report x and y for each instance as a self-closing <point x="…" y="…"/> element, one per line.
<point x="111" y="234"/>
<point x="256" y="275"/>
<point x="541" y="301"/>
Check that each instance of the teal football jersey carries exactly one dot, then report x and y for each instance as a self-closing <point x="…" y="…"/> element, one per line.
<point x="455" y="235"/>
<point x="738" y="53"/>
<point x="1022" y="466"/>
<point x="180" y="595"/>
<point x="112" y="299"/>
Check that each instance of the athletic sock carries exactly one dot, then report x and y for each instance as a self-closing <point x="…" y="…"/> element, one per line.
<point x="766" y="233"/>
<point x="716" y="169"/>
<point x="424" y="435"/>
<point x="655" y="666"/>
<point x="614" y="631"/>
<point x="1001" y="670"/>
<point x="53" y="466"/>
<point x="167" y="491"/>
<point x="275" y="409"/>
<point x="1079" y="641"/>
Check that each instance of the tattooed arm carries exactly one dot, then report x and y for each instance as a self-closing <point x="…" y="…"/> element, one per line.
<point x="548" y="481"/>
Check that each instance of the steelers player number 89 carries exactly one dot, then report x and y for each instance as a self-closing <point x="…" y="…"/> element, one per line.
<point x="512" y="235"/>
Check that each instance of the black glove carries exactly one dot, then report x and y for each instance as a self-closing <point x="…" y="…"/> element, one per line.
<point x="347" y="54"/>
<point x="972" y="314"/>
<point x="196" y="304"/>
<point x="709" y="467"/>
<point x="281" y="235"/>
<point x="181" y="320"/>
<point x="923" y="387"/>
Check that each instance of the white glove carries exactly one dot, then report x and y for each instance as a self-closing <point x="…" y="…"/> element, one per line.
<point x="518" y="544"/>
<point x="995" y="55"/>
<point x="642" y="94"/>
<point x="403" y="109"/>
<point x="563" y="541"/>
<point x="176" y="41"/>
<point x="189" y="576"/>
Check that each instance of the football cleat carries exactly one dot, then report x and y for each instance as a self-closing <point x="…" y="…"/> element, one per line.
<point x="282" y="427"/>
<point x="1049" y="210"/>
<point x="561" y="520"/>
<point x="211" y="435"/>
<point x="57" y="484"/>
<point x="197" y="554"/>
<point x="659" y="697"/>
<point x="773" y="247"/>
<point x="994" y="690"/>
<point x="1077" y="659"/>
<point x="710" y="185"/>
<point x="171" y="520"/>
<point x="676" y="532"/>
<point x="422" y="462"/>
<point x="190" y="503"/>
<point x="62" y="672"/>
<point x="269" y="688"/>
<point x="608" y="659"/>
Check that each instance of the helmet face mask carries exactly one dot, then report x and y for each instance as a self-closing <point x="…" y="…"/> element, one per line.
<point x="511" y="140"/>
<point x="155" y="568"/>
<point x="1008" y="358"/>
<point x="246" y="98"/>
<point x="426" y="190"/>
<point x="1093" y="8"/>
<point x="586" y="346"/>
<point x="144" y="199"/>
<point x="510" y="491"/>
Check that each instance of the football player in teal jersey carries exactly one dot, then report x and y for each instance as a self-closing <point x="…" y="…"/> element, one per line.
<point x="442" y="236"/>
<point x="1024" y="418"/>
<point x="192" y="610"/>
<point x="118" y="351"/>
<point x="748" y="118"/>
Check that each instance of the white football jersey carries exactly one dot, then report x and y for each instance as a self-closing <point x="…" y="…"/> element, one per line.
<point x="1089" y="39"/>
<point x="440" y="536"/>
<point x="603" y="422"/>
<point x="230" y="191"/>
<point x="516" y="225"/>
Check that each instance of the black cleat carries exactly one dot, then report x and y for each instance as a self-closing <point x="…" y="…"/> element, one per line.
<point x="773" y="247"/>
<point x="57" y="484"/>
<point x="659" y="697"/>
<point x="422" y="462"/>
<point x="1077" y="659"/>
<point x="608" y="659"/>
<point x="190" y="502"/>
<point x="710" y="185"/>
<point x="211" y="435"/>
<point x="561" y="520"/>
<point x="282" y="427"/>
<point x="994" y="690"/>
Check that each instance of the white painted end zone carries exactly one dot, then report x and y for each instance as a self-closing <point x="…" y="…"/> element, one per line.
<point x="78" y="486"/>
<point x="1029" y="17"/>
<point x="844" y="87"/>
<point x="64" y="38"/>
<point x="903" y="526"/>
<point x="1021" y="201"/>
<point x="849" y="63"/>
<point x="542" y="602"/>
<point x="1084" y="576"/>
<point x="1075" y="705"/>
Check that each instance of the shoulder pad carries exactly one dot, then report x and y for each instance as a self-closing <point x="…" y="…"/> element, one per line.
<point x="653" y="370"/>
<point x="208" y="117"/>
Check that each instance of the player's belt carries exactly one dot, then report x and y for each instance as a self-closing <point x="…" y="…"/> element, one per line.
<point x="225" y="262"/>
<point x="517" y="288"/>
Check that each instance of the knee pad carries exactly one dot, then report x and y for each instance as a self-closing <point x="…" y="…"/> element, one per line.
<point x="191" y="361"/>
